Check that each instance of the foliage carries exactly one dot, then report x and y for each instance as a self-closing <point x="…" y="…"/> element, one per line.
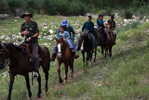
<point x="73" y="7"/>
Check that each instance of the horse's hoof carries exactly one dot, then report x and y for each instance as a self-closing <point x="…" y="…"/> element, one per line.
<point x="61" y="81"/>
<point x="71" y="76"/>
<point x="46" y="90"/>
<point x="65" y="81"/>
<point x="29" y="98"/>
<point x="38" y="96"/>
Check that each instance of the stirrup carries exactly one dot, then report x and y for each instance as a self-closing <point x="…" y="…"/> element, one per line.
<point x="35" y="74"/>
<point x="31" y="60"/>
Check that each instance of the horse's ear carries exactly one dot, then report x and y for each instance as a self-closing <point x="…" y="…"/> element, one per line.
<point x="0" y="44"/>
<point x="62" y="38"/>
<point x="56" y="39"/>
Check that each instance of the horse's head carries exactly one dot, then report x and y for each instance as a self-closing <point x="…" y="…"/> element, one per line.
<point x="108" y="27"/>
<point x="3" y="55"/>
<point x="86" y="41"/>
<point x="60" y="45"/>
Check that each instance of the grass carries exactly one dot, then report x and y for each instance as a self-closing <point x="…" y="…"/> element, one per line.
<point x="125" y="76"/>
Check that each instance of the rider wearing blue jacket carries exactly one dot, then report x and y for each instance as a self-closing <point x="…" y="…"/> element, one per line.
<point x="101" y="26"/>
<point x="66" y="36"/>
<point x="88" y="26"/>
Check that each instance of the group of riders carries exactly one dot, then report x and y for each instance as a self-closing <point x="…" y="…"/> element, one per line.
<point x="30" y="30"/>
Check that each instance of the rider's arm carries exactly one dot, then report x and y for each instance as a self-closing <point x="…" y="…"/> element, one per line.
<point x="92" y="28"/>
<point x="73" y="33"/>
<point x="114" y="25"/>
<point x="66" y="35"/>
<point x="22" y="30"/>
<point x="98" y="26"/>
<point x="37" y="31"/>
<point x="58" y="31"/>
<point x="83" y="28"/>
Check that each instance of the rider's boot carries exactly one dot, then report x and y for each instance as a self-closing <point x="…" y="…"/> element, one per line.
<point x="75" y="54"/>
<point x="52" y="58"/>
<point x="35" y="66"/>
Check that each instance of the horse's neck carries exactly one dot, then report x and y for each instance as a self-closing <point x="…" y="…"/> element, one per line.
<point x="67" y="49"/>
<point x="14" y="55"/>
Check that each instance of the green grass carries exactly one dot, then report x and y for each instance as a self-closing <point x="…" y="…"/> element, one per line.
<point x="124" y="76"/>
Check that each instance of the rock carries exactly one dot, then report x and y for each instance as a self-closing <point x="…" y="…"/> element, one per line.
<point x="51" y="31"/>
<point x="19" y="11"/>
<point x="4" y="16"/>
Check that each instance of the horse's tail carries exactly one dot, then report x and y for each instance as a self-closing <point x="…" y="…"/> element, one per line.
<point x="48" y="55"/>
<point x="48" y="52"/>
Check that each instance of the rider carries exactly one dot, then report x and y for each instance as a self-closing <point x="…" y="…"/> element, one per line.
<point x="112" y="25"/>
<point x="101" y="26"/>
<point x="69" y="29"/>
<point x="30" y="29"/>
<point x="87" y="27"/>
<point x="66" y="36"/>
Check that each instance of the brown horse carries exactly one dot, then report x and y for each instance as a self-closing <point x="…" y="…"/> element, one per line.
<point x="64" y="55"/>
<point x="112" y="38"/>
<point x="100" y="39"/>
<point x="86" y="47"/>
<point x="20" y="65"/>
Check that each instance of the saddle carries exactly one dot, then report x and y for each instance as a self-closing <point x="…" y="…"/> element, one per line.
<point x="27" y="48"/>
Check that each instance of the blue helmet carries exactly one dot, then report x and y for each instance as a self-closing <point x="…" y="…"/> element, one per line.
<point x="64" y="23"/>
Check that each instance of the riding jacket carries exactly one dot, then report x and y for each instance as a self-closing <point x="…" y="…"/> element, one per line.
<point x="32" y="27"/>
<point x="64" y="35"/>
<point x="88" y="26"/>
<point x="70" y="30"/>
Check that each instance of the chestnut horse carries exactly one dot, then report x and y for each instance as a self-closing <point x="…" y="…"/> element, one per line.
<point x="112" y="38"/>
<point x="20" y="65"/>
<point x="64" y="55"/>
<point x="105" y="46"/>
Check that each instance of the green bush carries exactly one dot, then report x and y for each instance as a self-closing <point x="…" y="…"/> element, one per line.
<point x="128" y="14"/>
<point x="73" y="7"/>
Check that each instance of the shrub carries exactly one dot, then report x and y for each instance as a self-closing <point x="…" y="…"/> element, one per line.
<point x="128" y="14"/>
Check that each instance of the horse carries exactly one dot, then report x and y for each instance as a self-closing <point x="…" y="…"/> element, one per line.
<point x="100" y="39"/>
<point x="86" y="47"/>
<point x="64" y="55"/>
<point x="20" y="64"/>
<point x="112" y="38"/>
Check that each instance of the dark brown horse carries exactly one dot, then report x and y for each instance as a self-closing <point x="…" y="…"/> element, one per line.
<point x="20" y="65"/>
<point x="64" y="55"/>
<point x="86" y="47"/>
<point x="100" y="39"/>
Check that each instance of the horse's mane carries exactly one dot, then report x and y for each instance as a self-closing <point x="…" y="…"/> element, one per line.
<point x="66" y="44"/>
<point x="10" y="46"/>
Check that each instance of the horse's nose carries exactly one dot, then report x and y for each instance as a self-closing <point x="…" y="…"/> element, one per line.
<point x="1" y="66"/>
<point x="59" y="55"/>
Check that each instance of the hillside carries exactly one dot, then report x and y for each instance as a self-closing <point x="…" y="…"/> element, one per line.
<point x="124" y="76"/>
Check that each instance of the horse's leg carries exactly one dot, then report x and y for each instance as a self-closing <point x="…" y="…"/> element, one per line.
<point x="12" y="77"/>
<point x="95" y="54"/>
<point x="90" y="55"/>
<point x="83" y="56"/>
<point x="110" y="50"/>
<point x="106" y="51"/>
<point x="59" y="72"/>
<point x="46" y="77"/>
<point x="102" y="50"/>
<point x="45" y="67"/>
<point x="28" y="85"/>
<point x="66" y="71"/>
<point x="39" y="86"/>
<point x="71" y="67"/>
